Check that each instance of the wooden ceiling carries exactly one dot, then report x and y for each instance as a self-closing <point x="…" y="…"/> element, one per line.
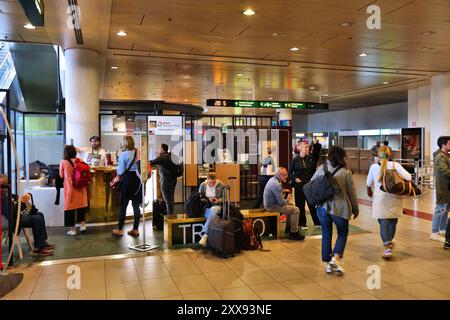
<point x="189" y="51"/>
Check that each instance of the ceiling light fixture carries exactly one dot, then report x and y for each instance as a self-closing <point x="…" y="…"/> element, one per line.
<point x="325" y="95"/>
<point x="427" y="33"/>
<point x="386" y="82"/>
<point x="122" y="34"/>
<point x="346" y="24"/>
<point x="312" y="88"/>
<point x="239" y="74"/>
<point x="294" y="49"/>
<point x="29" y="26"/>
<point x="114" y="67"/>
<point x="249" y="12"/>
<point x="363" y="54"/>
<point x="270" y="98"/>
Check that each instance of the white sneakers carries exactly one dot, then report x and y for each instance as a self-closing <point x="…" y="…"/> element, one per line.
<point x="437" y="237"/>
<point x="83" y="228"/>
<point x="387" y="254"/>
<point x="442" y="233"/>
<point x="203" y="240"/>
<point x="335" y="266"/>
<point x="71" y="233"/>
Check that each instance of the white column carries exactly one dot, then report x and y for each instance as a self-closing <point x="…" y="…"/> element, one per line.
<point x="82" y="79"/>
<point x="419" y="114"/>
<point x="440" y="108"/>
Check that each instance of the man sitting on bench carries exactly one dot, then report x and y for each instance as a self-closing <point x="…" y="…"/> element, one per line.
<point x="213" y="190"/>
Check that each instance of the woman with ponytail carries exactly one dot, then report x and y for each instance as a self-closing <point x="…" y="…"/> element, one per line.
<point x="386" y="207"/>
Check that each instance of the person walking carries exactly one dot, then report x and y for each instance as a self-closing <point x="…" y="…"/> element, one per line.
<point x="168" y="179"/>
<point x="268" y="169"/>
<point x="301" y="170"/>
<point x="130" y="186"/>
<point x="442" y="184"/>
<point x="75" y="199"/>
<point x="386" y="207"/>
<point x="316" y="151"/>
<point x="337" y="210"/>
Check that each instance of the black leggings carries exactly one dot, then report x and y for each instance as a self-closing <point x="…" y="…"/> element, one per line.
<point x="130" y="189"/>
<point x="300" y="200"/>
<point x="69" y="216"/>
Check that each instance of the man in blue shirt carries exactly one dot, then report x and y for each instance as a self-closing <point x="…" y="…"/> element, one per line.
<point x="275" y="201"/>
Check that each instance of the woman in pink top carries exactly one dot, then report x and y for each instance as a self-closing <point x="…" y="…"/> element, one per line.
<point x="75" y="200"/>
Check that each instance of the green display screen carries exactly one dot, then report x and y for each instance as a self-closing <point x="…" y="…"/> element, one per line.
<point x="265" y="104"/>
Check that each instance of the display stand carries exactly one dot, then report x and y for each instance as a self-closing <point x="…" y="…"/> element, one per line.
<point x="144" y="246"/>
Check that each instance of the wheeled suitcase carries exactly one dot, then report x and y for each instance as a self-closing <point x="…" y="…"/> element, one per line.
<point x="222" y="232"/>
<point x="159" y="211"/>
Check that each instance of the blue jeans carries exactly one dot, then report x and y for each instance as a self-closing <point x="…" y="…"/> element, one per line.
<point x="440" y="217"/>
<point x="326" y="221"/>
<point x="387" y="230"/>
<point x="210" y="214"/>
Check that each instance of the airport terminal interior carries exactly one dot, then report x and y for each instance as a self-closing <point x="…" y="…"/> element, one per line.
<point x="141" y="140"/>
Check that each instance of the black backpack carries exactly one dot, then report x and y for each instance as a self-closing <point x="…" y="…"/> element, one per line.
<point x="196" y="205"/>
<point x="322" y="189"/>
<point x="176" y="169"/>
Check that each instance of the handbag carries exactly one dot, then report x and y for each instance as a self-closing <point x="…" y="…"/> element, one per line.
<point x="393" y="182"/>
<point x="322" y="189"/>
<point x="115" y="183"/>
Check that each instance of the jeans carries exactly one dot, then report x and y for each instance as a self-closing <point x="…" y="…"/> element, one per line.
<point x="262" y="184"/>
<point x="387" y="230"/>
<point x="300" y="200"/>
<point x="292" y="215"/>
<point x="440" y="217"/>
<point x="168" y="185"/>
<point x="326" y="221"/>
<point x="37" y="223"/>
<point x="210" y="215"/>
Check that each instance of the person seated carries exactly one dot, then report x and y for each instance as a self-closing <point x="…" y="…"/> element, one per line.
<point x="213" y="190"/>
<point x="30" y="217"/>
<point x="274" y="200"/>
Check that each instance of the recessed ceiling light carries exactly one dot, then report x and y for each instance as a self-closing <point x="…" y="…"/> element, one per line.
<point x="386" y="82"/>
<point x="294" y="49"/>
<point x="249" y="92"/>
<point x="275" y="34"/>
<point x="249" y="12"/>
<point x="325" y="95"/>
<point x="122" y="34"/>
<point x="270" y="98"/>
<point x="363" y="54"/>
<point x="312" y="88"/>
<point x="239" y="74"/>
<point x="29" y="26"/>
<point x="346" y="24"/>
<point x="427" y="33"/>
<point x="114" y="67"/>
<point x="185" y="100"/>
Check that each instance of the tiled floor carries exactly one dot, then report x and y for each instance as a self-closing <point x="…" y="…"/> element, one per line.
<point x="291" y="270"/>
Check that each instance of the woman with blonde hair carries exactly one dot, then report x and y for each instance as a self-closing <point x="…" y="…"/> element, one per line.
<point x="386" y="207"/>
<point x="130" y="186"/>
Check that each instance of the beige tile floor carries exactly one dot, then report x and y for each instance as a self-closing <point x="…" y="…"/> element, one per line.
<point x="290" y="271"/>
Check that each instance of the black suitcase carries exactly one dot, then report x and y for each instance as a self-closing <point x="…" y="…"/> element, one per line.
<point x="159" y="211"/>
<point x="222" y="233"/>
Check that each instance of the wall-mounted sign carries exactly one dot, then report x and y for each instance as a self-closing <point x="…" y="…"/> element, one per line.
<point x="265" y="104"/>
<point x="165" y="126"/>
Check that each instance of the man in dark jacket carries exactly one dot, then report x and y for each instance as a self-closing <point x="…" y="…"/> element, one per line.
<point x="316" y="150"/>
<point x="442" y="185"/>
<point x="168" y="179"/>
<point x="301" y="170"/>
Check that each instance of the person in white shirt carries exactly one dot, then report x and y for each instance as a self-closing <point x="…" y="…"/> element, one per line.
<point x="94" y="155"/>
<point x="386" y="207"/>
<point x="212" y="188"/>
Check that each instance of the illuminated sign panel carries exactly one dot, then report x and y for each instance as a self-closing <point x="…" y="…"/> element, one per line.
<point x="265" y="104"/>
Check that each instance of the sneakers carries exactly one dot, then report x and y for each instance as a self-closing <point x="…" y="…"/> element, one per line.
<point x="203" y="240"/>
<point x="72" y="233"/>
<point x="330" y="268"/>
<point x="436" y="237"/>
<point x="387" y="254"/>
<point x="133" y="233"/>
<point x="442" y="233"/>
<point x="83" y="228"/>
<point x="447" y="245"/>
<point x="296" y="236"/>
<point x="336" y="266"/>
<point x="117" y="232"/>
<point x="41" y="252"/>
<point x="303" y="227"/>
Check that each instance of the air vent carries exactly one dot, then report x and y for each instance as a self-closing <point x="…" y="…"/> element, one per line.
<point x="75" y="10"/>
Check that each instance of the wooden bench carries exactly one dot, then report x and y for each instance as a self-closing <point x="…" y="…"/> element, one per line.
<point x="182" y="230"/>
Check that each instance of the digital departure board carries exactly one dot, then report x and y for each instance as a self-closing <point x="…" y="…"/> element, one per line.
<point x="265" y="104"/>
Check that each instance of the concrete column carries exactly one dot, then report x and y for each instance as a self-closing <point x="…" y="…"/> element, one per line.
<point x="82" y="82"/>
<point x="440" y="108"/>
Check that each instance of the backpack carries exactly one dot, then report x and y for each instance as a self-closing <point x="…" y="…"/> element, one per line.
<point x="251" y="237"/>
<point x="176" y="170"/>
<point x="196" y="205"/>
<point x="81" y="174"/>
<point x="322" y="189"/>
